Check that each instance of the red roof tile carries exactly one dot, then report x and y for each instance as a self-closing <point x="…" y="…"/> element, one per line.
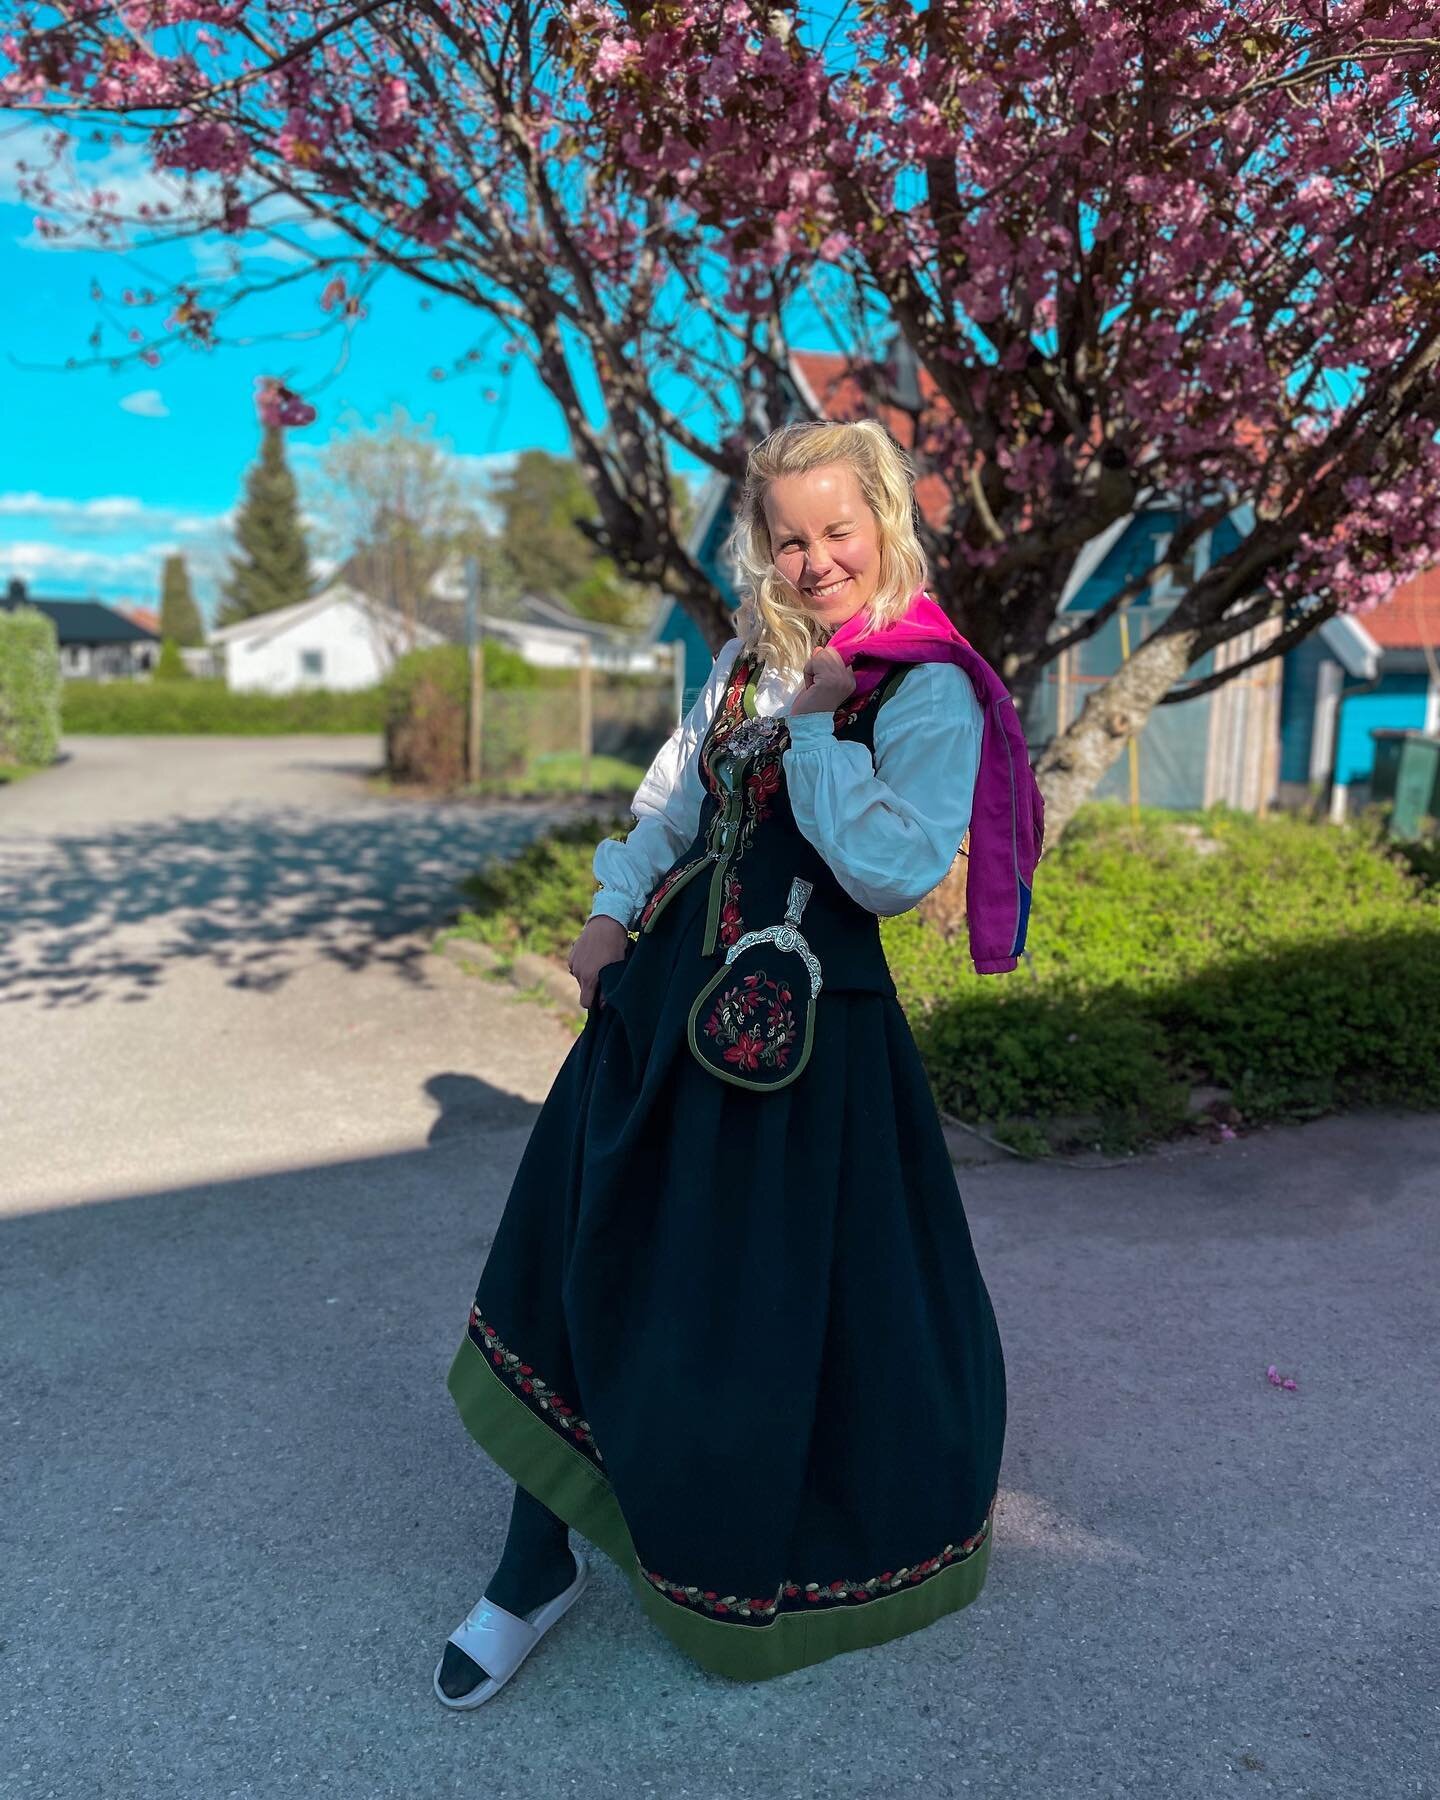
<point x="1410" y="617"/>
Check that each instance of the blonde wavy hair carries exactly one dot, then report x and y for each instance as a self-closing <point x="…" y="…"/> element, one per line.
<point x="771" y="619"/>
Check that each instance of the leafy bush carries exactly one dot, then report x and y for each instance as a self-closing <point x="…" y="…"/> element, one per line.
<point x="538" y="898"/>
<point x="427" y="714"/>
<point x="30" y="682"/>
<point x="1296" y="964"/>
<point x="208" y="707"/>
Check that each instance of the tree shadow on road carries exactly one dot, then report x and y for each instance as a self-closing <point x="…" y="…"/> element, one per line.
<point x="258" y="895"/>
<point x="240" y="1495"/>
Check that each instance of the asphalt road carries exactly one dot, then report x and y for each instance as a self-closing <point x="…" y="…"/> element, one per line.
<point x="255" y="1140"/>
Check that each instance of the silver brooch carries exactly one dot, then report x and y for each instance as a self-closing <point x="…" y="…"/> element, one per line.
<point x="755" y="734"/>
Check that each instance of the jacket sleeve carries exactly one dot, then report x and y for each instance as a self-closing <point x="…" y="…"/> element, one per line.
<point x="890" y="827"/>
<point x="666" y="807"/>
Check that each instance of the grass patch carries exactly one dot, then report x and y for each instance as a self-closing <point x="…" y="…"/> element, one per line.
<point x="558" y="772"/>
<point x="1294" y="963"/>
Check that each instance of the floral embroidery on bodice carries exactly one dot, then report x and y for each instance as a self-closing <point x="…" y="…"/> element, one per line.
<point x="741" y="767"/>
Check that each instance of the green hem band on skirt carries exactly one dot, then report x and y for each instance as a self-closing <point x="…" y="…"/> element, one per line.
<point x="535" y="1456"/>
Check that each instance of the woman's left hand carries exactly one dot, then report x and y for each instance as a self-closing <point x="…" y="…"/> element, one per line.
<point x="829" y="682"/>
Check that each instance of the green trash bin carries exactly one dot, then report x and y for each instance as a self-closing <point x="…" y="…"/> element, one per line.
<point x="1407" y="775"/>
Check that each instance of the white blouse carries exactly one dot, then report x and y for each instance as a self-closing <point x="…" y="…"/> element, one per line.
<point x="889" y="829"/>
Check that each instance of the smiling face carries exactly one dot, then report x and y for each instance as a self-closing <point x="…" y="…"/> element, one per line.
<point x="824" y="540"/>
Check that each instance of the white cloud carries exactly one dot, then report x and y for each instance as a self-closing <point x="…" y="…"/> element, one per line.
<point x="123" y="173"/>
<point x="110" y="545"/>
<point x="193" y="524"/>
<point x="108" y="515"/>
<point x="146" y="403"/>
<point x="37" y="562"/>
<point x="107" y="509"/>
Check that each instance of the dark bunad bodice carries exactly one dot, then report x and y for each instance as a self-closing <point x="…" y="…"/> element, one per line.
<point x="748" y="848"/>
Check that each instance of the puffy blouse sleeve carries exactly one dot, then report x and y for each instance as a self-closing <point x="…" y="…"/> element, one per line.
<point x="666" y="807"/>
<point x="890" y="827"/>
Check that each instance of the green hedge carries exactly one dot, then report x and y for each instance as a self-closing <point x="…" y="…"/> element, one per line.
<point x="1296" y="964"/>
<point x="29" y="687"/>
<point x="209" y="707"/>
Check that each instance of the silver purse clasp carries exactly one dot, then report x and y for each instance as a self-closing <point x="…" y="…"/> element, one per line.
<point x="786" y="936"/>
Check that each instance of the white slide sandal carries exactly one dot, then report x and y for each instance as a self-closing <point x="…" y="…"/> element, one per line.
<point x="498" y="1641"/>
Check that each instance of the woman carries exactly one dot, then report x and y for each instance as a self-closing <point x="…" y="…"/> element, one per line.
<point x="731" y="1327"/>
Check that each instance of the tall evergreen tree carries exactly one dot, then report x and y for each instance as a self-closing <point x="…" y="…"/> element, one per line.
<point x="273" y="565"/>
<point x="545" y="507"/>
<point x="180" y="621"/>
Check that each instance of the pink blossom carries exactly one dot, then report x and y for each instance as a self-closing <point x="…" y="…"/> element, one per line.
<point x="773" y="150"/>
<point x="278" y="404"/>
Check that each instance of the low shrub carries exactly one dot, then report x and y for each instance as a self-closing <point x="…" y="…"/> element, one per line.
<point x="1294" y="963"/>
<point x="427" y="715"/>
<point x="537" y="899"/>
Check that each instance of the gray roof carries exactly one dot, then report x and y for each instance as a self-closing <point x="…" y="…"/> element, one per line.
<point x="80" y="621"/>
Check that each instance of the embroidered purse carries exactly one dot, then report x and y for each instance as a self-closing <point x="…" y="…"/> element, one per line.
<point x="754" y="1020"/>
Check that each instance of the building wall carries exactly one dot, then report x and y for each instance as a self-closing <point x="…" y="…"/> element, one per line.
<point x="1301" y="675"/>
<point x="558" y="649"/>
<point x="107" y="662"/>
<point x="1172" y="744"/>
<point x="1398" y="703"/>
<point x="352" y="652"/>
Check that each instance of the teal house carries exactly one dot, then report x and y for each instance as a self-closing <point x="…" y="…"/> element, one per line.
<point x="1288" y="732"/>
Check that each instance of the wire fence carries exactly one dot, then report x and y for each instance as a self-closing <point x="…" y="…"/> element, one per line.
<point x="525" y="727"/>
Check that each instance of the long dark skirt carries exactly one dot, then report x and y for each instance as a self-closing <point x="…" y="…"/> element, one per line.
<point x="740" y="1340"/>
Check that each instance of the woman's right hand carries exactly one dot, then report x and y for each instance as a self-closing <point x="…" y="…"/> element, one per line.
<point x="602" y="941"/>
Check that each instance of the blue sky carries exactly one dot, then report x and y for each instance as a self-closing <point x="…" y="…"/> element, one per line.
<point x="102" y="472"/>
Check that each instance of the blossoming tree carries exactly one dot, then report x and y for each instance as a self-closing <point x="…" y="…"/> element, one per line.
<point x="1182" y="253"/>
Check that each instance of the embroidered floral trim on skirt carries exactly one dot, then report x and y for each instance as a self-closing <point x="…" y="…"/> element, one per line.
<point x="739" y="1339"/>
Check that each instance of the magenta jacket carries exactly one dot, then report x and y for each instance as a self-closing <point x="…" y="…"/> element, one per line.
<point x="1007" y="821"/>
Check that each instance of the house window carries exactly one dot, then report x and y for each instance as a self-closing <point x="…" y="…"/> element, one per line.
<point x="312" y="664"/>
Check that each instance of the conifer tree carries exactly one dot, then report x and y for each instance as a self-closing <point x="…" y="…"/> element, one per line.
<point x="180" y="621"/>
<point x="273" y="565"/>
<point x="170" y="665"/>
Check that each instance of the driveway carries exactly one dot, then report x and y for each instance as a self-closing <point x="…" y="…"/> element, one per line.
<point x="255" y="1141"/>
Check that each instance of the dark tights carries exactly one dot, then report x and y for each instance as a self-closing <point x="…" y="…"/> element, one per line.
<point x="534" y="1567"/>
